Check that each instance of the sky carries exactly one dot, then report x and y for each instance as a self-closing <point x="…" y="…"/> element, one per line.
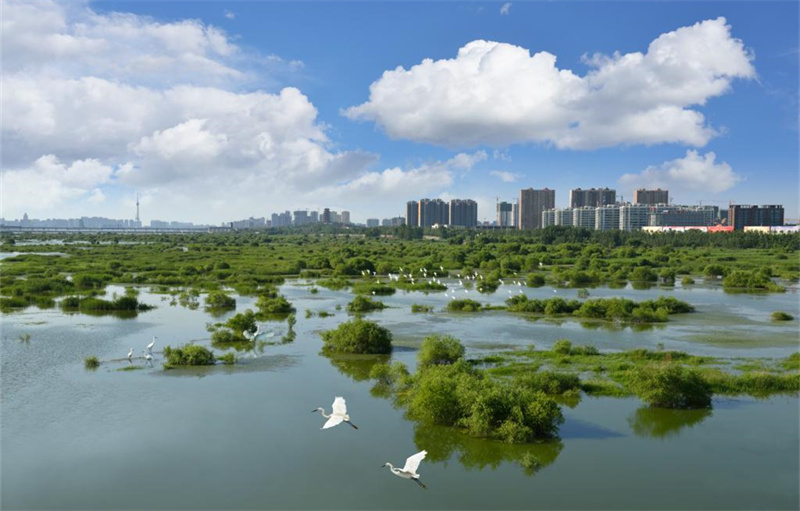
<point x="219" y="111"/>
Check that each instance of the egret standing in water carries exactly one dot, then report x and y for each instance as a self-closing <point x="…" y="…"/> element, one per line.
<point x="148" y="358"/>
<point x="130" y="356"/>
<point x="338" y="414"/>
<point x="150" y="346"/>
<point x="409" y="471"/>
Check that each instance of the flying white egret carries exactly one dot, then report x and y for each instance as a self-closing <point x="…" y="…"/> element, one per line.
<point x="251" y="336"/>
<point x="130" y="356"/>
<point x="152" y="343"/>
<point x="338" y="414"/>
<point x="409" y="471"/>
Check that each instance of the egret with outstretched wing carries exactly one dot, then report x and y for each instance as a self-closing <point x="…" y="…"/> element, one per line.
<point x="409" y="471"/>
<point x="338" y="414"/>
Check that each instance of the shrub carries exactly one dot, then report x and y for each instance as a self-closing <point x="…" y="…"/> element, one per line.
<point x="358" y="336"/>
<point x="268" y="304"/>
<point x="334" y="284"/>
<point x="643" y="274"/>
<point x="464" y="305"/>
<point x="439" y="350"/>
<point x="562" y="347"/>
<point x="362" y="303"/>
<point x="670" y="386"/>
<point x="368" y="288"/>
<point x="91" y="362"/>
<point x="220" y="300"/>
<point x="687" y="281"/>
<point x="549" y="382"/>
<point x="535" y="280"/>
<point x="189" y="355"/>
<point x="227" y="359"/>
<point x="421" y="308"/>
<point x="781" y="316"/>
<point x="241" y="322"/>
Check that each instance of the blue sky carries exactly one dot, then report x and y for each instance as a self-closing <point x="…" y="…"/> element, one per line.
<point x="183" y="101"/>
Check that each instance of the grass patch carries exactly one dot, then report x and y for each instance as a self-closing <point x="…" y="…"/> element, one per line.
<point x="91" y="362"/>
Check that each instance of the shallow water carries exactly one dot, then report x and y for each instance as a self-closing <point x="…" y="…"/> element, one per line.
<point x="243" y="437"/>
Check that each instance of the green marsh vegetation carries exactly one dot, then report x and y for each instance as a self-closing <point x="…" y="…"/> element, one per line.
<point x="416" y="307"/>
<point x="188" y="355"/>
<point x="781" y="316"/>
<point x="362" y="303"/>
<point x="612" y="309"/>
<point x="464" y="305"/>
<point x="251" y="261"/>
<point x="665" y="379"/>
<point x="357" y="336"/>
<point x="446" y="390"/>
<point x="91" y="362"/>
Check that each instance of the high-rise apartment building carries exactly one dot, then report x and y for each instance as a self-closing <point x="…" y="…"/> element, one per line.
<point x="741" y="216"/>
<point x="412" y="213"/>
<point x="606" y="218"/>
<point x="592" y="197"/>
<point x="463" y="212"/>
<point x="373" y="222"/>
<point x="633" y="217"/>
<point x="583" y="217"/>
<point x="548" y="218"/>
<point x="563" y="216"/>
<point x="698" y="216"/>
<point x="433" y="212"/>
<point x="531" y="204"/>
<point x="301" y="218"/>
<point x="657" y="196"/>
<point x="505" y="214"/>
<point x="345" y="217"/>
<point x="326" y="216"/>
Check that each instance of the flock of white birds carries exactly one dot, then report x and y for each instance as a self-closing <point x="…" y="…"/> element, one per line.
<point x="148" y="353"/>
<point x="339" y="414"/>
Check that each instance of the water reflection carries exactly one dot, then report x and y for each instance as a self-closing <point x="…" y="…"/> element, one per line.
<point x="356" y="367"/>
<point x="664" y="422"/>
<point x="443" y="442"/>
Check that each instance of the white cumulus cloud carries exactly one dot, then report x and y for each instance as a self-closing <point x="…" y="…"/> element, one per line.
<point x="505" y="8"/>
<point x="506" y="177"/>
<point x="692" y="173"/>
<point x="497" y="94"/>
<point x="95" y="104"/>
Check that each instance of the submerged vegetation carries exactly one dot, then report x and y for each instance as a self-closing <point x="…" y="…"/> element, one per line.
<point x="781" y="316"/>
<point x="615" y="309"/>
<point x="91" y="362"/>
<point x="362" y="303"/>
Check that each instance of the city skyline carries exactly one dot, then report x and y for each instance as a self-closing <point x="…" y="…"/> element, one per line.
<point x="217" y="112"/>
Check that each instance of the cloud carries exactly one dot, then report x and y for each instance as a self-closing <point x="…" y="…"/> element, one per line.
<point x="230" y="15"/>
<point x="95" y="104"/>
<point x="505" y="8"/>
<point x="499" y="94"/>
<point x="506" y="177"/>
<point x="694" y="172"/>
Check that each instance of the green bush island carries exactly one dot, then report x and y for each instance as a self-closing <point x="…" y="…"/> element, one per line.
<point x="357" y="336"/>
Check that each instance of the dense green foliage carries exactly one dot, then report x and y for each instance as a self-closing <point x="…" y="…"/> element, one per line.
<point x="671" y="386"/>
<point x="220" y="300"/>
<point x="464" y="305"/>
<point x="421" y="308"/>
<point x="91" y="362"/>
<point x="92" y="304"/>
<point x="189" y="355"/>
<point x="615" y="309"/>
<point x="781" y="316"/>
<point x="362" y="303"/>
<point x="357" y="336"/>
<point x="750" y="281"/>
<point x="439" y="350"/>
<point x="249" y="261"/>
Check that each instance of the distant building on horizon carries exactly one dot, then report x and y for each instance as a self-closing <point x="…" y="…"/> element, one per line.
<point x="592" y="197"/>
<point x="741" y="216"/>
<point x="373" y="222"/>
<point x="412" y="213"/>
<point x="463" y="213"/>
<point x="531" y="204"/>
<point x="657" y="196"/>
<point x="345" y="217"/>
<point x="433" y="212"/>
<point x="505" y="214"/>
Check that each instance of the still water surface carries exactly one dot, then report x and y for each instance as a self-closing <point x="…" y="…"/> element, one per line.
<point x="243" y="437"/>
